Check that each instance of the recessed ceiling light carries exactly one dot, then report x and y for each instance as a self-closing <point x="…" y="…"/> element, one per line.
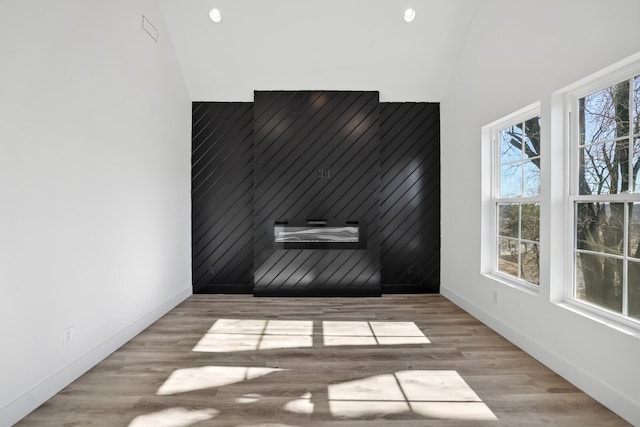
<point x="409" y="15"/>
<point x="215" y="15"/>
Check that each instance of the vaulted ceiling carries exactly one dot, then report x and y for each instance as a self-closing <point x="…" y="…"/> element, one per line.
<point x="317" y="45"/>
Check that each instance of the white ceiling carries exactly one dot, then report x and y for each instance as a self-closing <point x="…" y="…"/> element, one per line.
<point x="317" y="45"/>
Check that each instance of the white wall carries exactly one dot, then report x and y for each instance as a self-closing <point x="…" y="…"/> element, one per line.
<point x="95" y="130"/>
<point x="518" y="53"/>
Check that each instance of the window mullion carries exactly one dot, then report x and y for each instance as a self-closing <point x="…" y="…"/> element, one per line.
<point x="495" y="191"/>
<point x="522" y="159"/>
<point x="632" y="131"/>
<point x="524" y="200"/>
<point x="605" y="198"/>
<point x="495" y="159"/>
<point x="520" y="237"/>
<point x="625" y="263"/>
<point x="602" y="254"/>
<point x="573" y="144"/>
<point x="574" y="247"/>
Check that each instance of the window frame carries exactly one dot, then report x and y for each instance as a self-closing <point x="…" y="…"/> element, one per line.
<point x="491" y="185"/>
<point x="625" y="70"/>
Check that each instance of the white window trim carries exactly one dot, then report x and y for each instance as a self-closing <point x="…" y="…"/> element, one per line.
<point x="490" y="179"/>
<point x="566" y="101"/>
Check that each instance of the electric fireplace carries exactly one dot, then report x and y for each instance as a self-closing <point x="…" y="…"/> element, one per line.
<point x="318" y="234"/>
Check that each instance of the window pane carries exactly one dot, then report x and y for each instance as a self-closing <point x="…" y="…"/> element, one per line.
<point x="634" y="230"/>
<point x="508" y="256"/>
<point x="511" y="144"/>
<point x="635" y="163"/>
<point x="636" y="103"/>
<point x="531" y="221"/>
<point x="531" y="262"/>
<point x="634" y="290"/>
<point x="508" y="219"/>
<point x="511" y="180"/>
<point x="532" y="137"/>
<point x="598" y="281"/>
<point x="602" y="168"/>
<point x="532" y="178"/>
<point x="606" y="114"/>
<point x="599" y="227"/>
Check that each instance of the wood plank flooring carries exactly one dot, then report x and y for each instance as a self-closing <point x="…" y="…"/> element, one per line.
<point x="399" y="360"/>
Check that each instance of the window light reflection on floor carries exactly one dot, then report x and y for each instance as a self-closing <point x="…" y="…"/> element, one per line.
<point x="265" y="425"/>
<point x="372" y="333"/>
<point x="433" y="394"/>
<point x="173" y="417"/>
<point x="439" y="394"/>
<point x="303" y="405"/>
<point x="229" y="335"/>
<point x="249" y="398"/>
<point x="205" y="377"/>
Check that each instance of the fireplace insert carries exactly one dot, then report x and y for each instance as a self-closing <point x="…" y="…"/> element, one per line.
<point x="317" y="234"/>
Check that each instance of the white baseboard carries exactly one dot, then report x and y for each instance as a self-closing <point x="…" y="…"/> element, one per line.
<point x="617" y="402"/>
<point x="27" y="402"/>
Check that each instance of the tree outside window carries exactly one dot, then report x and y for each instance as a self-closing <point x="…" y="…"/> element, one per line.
<point x="517" y="200"/>
<point x="607" y="204"/>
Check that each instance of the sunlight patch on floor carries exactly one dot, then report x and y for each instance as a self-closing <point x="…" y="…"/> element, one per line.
<point x="229" y="335"/>
<point x="173" y="417"/>
<point x="249" y="398"/>
<point x="337" y="333"/>
<point x="445" y="386"/>
<point x="433" y="394"/>
<point x="474" y="411"/>
<point x="303" y="405"/>
<point x="363" y="409"/>
<point x="265" y="425"/>
<point x="379" y="387"/>
<point x="205" y="377"/>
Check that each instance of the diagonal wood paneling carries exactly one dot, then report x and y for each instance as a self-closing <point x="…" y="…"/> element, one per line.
<point x="295" y="135"/>
<point x="410" y="196"/>
<point x="396" y="191"/>
<point x="222" y="196"/>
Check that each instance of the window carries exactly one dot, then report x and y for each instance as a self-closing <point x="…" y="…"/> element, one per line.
<point x="605" y="195"/>
<point x="515" y="198"/>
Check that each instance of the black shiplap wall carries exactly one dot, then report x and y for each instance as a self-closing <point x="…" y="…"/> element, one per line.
<point x="222" y="196"/>
<point x="296" y="135"/>
<point x="410" y="196"/>
<point x="408" y="186"/>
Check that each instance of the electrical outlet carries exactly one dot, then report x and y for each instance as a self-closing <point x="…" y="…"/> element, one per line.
<point x="67" y="336"/>
<point x="212" y="270"/>
<point x="494" y="296"/>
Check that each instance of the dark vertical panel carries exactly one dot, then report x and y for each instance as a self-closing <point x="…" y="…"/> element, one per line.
<point x="295" y="135"/>
<point x="410" y="197"/>
<point x="299" y="133"/>
<point x="222" y="196"/>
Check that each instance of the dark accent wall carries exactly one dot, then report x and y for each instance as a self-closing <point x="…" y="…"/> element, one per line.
<point x="222" y="197"/>
<point x="410" y="196"/>
<point x="316" y="155"/>
<point x="395" y="187"/>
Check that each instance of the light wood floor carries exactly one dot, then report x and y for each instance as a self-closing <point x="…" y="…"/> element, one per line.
<point x="223" y="360"/>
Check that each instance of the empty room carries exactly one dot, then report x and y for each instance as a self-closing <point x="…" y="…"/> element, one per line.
<point x="289" y="213"/>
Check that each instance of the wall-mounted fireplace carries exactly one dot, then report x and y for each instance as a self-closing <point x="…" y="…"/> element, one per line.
<point x="318" y="234"/>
